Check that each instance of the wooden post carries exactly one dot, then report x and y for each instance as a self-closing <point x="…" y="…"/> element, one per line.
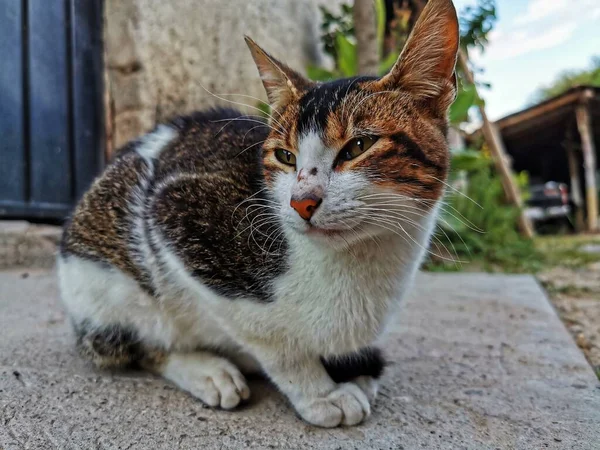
<point x="576" y="194"/>
<point x="365" y="26"/>
<point x="499" y="156"/>
<point x="584" y="125"/>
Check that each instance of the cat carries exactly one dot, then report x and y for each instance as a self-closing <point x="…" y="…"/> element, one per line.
<point x="220" y="245"/>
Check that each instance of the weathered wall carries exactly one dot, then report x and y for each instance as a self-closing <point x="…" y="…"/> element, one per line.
<point x="160" y="54"/>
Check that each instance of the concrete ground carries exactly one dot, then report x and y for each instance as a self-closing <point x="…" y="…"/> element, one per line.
<point x="477" y="362"/>
<point x="575" y="292"/>
<point x="23" y="244"/>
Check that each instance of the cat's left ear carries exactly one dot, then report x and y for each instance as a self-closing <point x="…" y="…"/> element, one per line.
<point x="283" y="85"/>
<point x="425" y="67"/>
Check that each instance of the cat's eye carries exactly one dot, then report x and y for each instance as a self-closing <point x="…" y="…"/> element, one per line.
<point x="356" y="147"/>
<point x="285" y="157"/>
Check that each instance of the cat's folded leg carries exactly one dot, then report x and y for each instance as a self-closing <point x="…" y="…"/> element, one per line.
<point x="211" y="378"/>
<point x="363" y="367"/>
<point x="315" y="396"/>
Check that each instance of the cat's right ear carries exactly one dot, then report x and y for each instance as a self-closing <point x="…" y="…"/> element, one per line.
<point x="283" y="85"/>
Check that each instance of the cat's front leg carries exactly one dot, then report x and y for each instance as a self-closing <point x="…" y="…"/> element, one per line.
<point x="313" y="393"/>
<point x="363" y="367"/>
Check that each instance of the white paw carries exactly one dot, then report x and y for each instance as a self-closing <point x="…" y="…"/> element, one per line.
<point x="212" y="379"/>
<point x="346" y="405"/>
<point x="369" y="385"/>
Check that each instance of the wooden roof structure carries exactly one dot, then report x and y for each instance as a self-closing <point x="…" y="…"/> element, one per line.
<point x="557" y="140"/>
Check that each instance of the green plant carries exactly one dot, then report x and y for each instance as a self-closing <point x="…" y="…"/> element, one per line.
<point x="334" y="25"/>
<point x="476" y="224"/>
<point x="338" y="42"/>
<point x="476" y="22"/>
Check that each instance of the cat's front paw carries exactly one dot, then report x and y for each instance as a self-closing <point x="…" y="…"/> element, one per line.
<point x="346" y="405"/>
<point x="212" y="379"/>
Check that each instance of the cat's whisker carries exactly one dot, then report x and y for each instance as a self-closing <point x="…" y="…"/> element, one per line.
<point x="242" y="104"/>
<point x="349" y="248"/>
<point x="263" y="199"/>
<point x="230" y="121"/>
<point x="380" y="222"/>
<point x="249" y="131"/>
<point x="257" y="207"/>
<point x="281" y="231"/>
<point x="399" y="200"/>
<point x="270" y="116"/>
<point x="405" y="234"/>
<point x="252" y="231"/>
<point x="252" y="228"/>
<point x="269" y="215"/>
<point x="452" y="188"/>
<point x="421" y="214"/>
<point x="359" y="238"/>
<point x="248" y="118"/>
<point x="249" y="209"/>
<point x="392" y="214"/>
<point x="251" y="198"/>
<point x="250" y="146"/>
<point x="376" y="223"/>
<point x="387" y="195"/>
<point x="445" y="222"/>
<point x="461" y="218"/>
<point x="252" y="206"/>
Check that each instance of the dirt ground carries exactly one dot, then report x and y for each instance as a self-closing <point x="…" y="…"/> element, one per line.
<point x="575" y="292"/>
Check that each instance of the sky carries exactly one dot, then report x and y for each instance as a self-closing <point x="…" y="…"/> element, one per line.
<point x="532" y="43"/>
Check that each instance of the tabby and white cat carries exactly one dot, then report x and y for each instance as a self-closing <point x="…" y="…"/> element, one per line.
<point x="217" y="245"/>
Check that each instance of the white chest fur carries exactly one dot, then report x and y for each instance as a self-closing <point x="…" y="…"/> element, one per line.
<point x="330" y="302"/>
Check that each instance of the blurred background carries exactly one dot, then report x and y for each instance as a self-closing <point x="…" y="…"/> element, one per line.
<point x="81" y="78"/>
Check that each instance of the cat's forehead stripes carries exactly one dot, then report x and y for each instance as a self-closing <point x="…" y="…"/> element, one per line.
<point x="317" y="104"/>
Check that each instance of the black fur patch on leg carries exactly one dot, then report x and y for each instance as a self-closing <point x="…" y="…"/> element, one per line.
<point x="368" y="361"/>
<point x="109" y="346"/>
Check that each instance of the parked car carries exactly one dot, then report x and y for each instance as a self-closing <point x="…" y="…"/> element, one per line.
<point x="548" y="202"/>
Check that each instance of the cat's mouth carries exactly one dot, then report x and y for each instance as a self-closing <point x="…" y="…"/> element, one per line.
<point x="319" y="231"/>
<point x="327" y="231"/>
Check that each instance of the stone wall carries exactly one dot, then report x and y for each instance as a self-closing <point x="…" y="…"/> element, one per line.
<point x="163" y="56"/>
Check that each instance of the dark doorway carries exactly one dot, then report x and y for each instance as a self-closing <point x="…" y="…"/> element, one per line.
<point x="51" y="105"/>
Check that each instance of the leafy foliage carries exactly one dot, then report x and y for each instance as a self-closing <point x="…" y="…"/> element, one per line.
<point x="338" y="42"/>
<point x="476" y="224"/>
<point x="466" y="97"/>
<point x="476" y="22"/>
<point x="334" y="25"/>
<point x="570" y="79"/>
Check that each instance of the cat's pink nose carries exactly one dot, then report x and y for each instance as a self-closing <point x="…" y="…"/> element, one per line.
<point x="306" y="206"/>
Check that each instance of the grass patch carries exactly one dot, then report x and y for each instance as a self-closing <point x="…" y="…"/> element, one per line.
<point x="566" y="251"/>
<point x="568" y="290"/>
<point x="545" y="252"/>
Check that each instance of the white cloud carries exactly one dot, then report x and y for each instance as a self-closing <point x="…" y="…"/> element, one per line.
<point x="505" y="45"/>
<point x="540" y="9"/>
<point x="544" y="24"/>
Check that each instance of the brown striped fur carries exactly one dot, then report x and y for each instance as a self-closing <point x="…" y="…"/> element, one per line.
<point x="198" y="250"/>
